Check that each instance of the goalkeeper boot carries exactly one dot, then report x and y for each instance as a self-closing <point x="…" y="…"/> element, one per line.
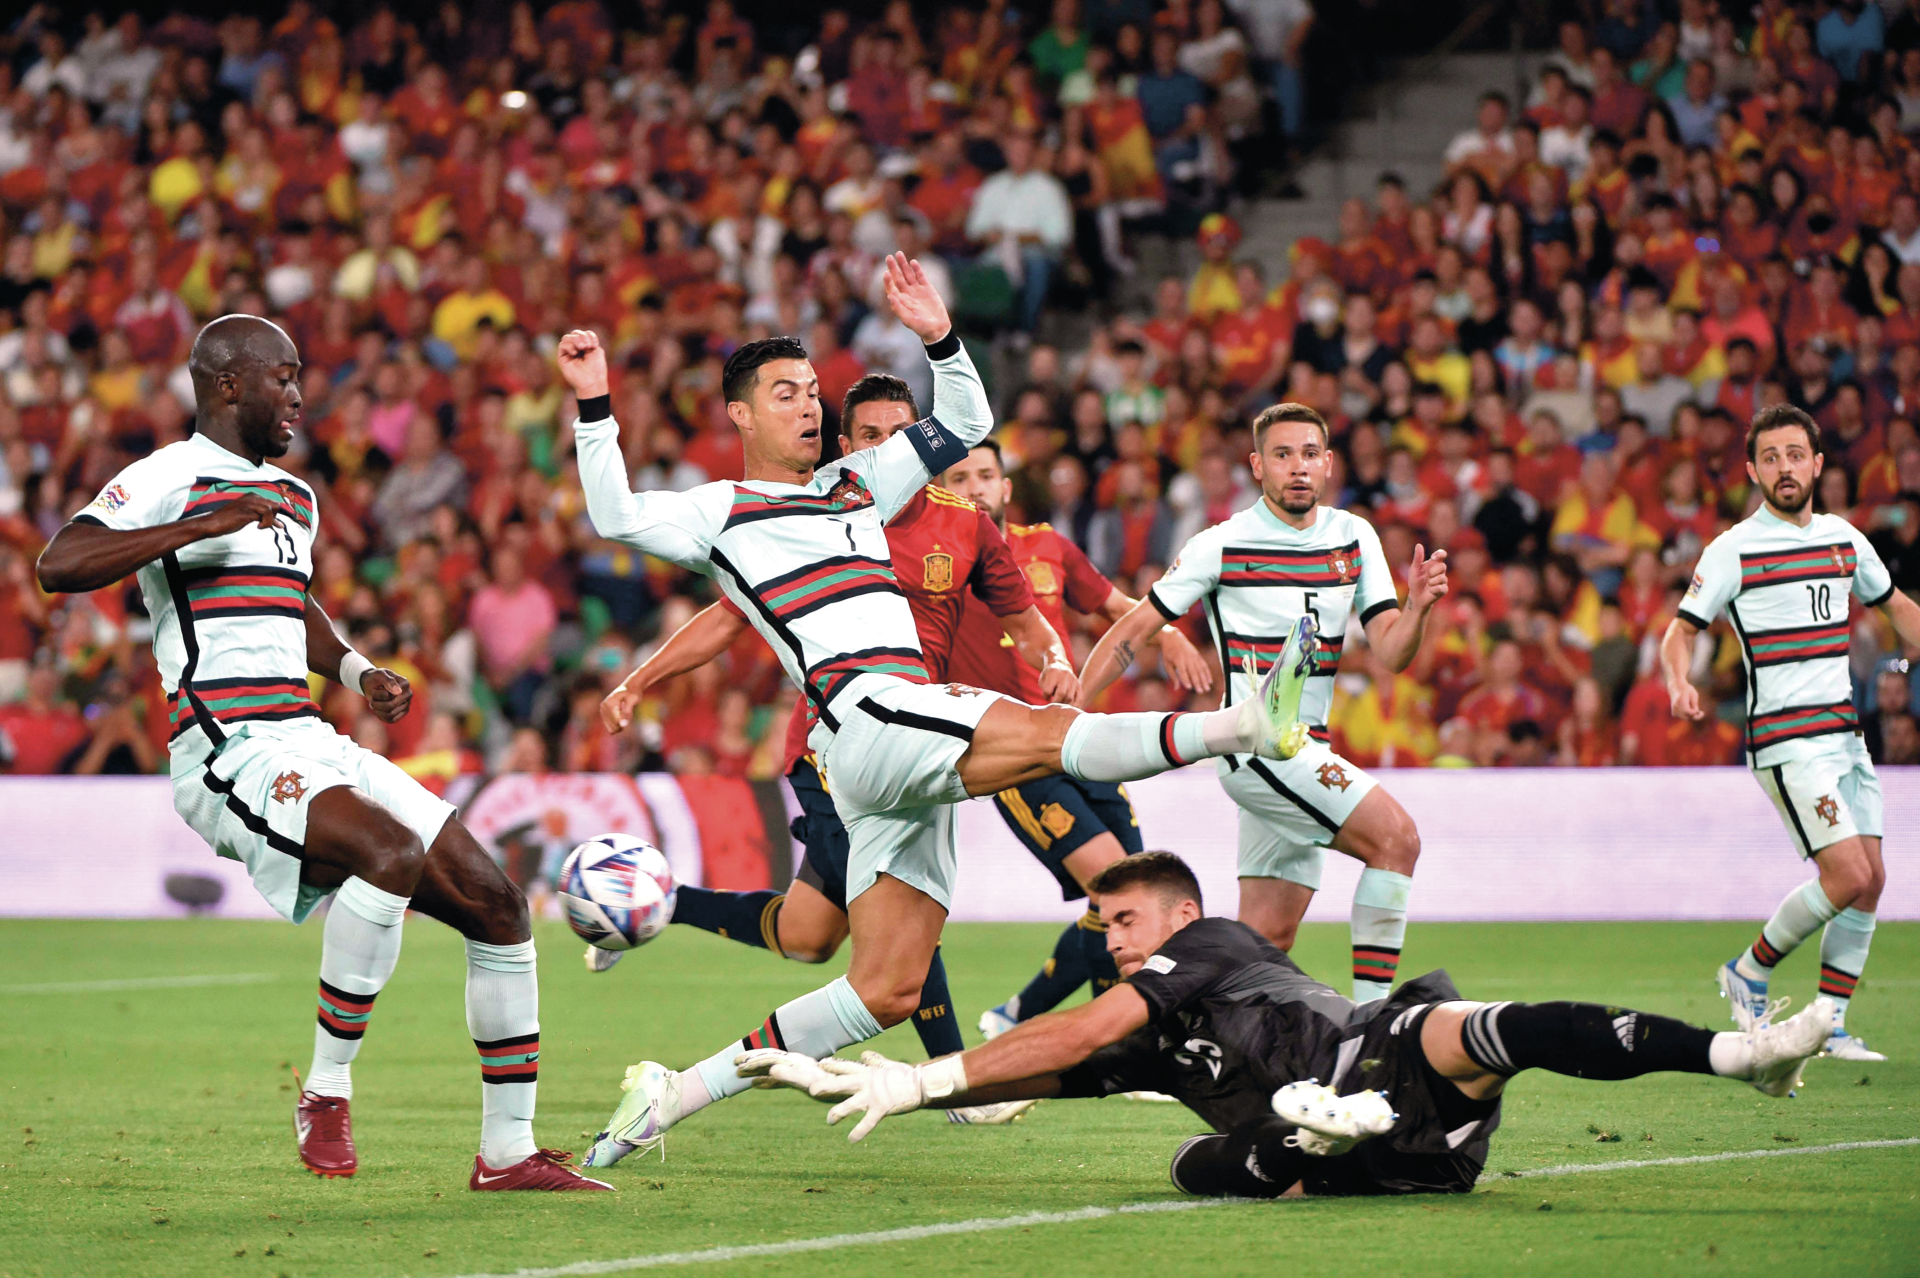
<point x="1781" y="1050"/>
<point x="323" y="1130"/>
<point x="1843" y="1046"/>
<point x="1272" y="715"/>
<point x="1330" y="1124"/>
<point x="650" y="1106"/>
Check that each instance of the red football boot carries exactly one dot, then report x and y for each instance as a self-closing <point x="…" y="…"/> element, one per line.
<point x="324" y="1130"/>
<point x="544" y="1170"/>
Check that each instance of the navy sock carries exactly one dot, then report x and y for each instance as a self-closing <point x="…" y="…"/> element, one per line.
<point x="1584" y="1040"/>
<point x="752" y="918"/>
<point x="1062" y="974"/>
<point x="1102" y="972"/>
<point x="939" y="1030"/>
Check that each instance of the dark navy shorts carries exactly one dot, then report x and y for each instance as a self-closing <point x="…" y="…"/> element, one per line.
<point x="1058" y="815"/>
<point x="819" y="829"/>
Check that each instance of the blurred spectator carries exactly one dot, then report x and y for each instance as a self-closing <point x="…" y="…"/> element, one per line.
<point x="1022" y="222"/>
<point x="512" y="617"/>
<point x="42" y="733"/>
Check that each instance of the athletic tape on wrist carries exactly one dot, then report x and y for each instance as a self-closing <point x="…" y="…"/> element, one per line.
<point x="353" y="668"/>
<point x="943" y="1078"/>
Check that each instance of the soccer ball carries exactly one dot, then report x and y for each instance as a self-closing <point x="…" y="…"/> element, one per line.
<point x="617" y="890"/>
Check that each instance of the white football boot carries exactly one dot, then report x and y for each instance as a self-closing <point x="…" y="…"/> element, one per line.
<point x="1330" y="1124"/>
<point x="1843" y="1046"/>
<point x="995" y="1021"/>
<point x="1746" y="1000"/>
<point x="650" y="1106"/>
<point x="990" y="1115"/>
<point x="599" y="960"/>
<point x="1782" y="1050"/>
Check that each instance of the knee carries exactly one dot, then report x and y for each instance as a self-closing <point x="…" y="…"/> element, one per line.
<point x="394" y="856"/>
<point x="1397" y="848"/>
<point x="806" y="951"/>
<point x="891" y="1002"/>
<point x="1282" y="933"/>
<point x="1848" y="880"/>
<point x="507" y="916"/>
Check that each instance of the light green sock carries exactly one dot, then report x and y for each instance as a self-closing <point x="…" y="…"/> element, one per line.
<point x="1843" y="956"/>
<point x="1379" y="927"/>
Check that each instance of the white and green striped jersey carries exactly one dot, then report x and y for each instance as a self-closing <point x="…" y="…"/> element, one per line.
<point x="1784" y="588"/>
<point x="228" y="613"/>
<point x="807" y="564"/>
<point x="1257" y="576"/>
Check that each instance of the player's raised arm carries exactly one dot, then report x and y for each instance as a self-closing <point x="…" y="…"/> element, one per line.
<point x="710" y="633"/>
<point x="674" y="526"/>
<point x="961" y="416"/>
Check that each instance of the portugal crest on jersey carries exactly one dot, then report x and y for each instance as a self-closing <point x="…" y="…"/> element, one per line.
<point x="1826" y="809"/>
<point x="1839" y="554"/>
<point x="288" y="787"/>
<point x="1333" y="777"/>
<point x="1341" y="565"/>
<point x="938" y="572"/>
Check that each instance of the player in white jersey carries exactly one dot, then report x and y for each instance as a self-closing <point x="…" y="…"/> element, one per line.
<point x="801" y="550"/>
<point x="1260" y="573"/>
<point x="1783" y="576"/>
<point x="222" y="541"/>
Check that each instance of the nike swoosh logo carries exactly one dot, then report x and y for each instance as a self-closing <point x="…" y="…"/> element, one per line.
<point x="488" y="1180"/>
<point x="300" y="1129"/>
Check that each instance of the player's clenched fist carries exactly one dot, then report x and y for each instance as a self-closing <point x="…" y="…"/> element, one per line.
<point x="388" y="695"/>
<point x="232" y="516"/>
<point x="616" y="709"/>
<point x="1683" y="699"/>
<point x="583" y="362"/>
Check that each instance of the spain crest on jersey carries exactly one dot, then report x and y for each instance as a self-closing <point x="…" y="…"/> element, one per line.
<point x="937" y="572"/>
<point x="1041" y="577"/>
<point x="1342" y="565"/>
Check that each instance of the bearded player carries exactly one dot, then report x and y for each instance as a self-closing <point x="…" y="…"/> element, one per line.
<point x="801" y="549"/>
<point x="222" y="541"/>
<point x="1224" y="1022"/>
<point x="1075" y="828"/>
<point x="1783" y="576"/>
<point x="945" y="553"/>
<point x="1283" y="562"/>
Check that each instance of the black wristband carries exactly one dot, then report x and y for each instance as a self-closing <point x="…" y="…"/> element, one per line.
<point x="946" y="348"/>
<point x="596" y="408"/>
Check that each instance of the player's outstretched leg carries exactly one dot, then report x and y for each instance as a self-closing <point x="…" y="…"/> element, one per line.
<point x="897" y="931"/>
<point x="1481" y="1045"/>
<point x="462" y="887"/>
<point x="355" y="845"/>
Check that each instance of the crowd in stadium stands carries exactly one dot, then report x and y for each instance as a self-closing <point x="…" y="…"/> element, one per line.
<point x="1545" y="366"/>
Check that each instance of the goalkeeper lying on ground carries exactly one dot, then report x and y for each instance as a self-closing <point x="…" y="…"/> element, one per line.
<point x="1309" y="1093"/>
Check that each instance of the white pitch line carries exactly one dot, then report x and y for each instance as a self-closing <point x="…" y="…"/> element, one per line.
<point x="989" y="1224"/>
<point x="1578" y="1169"/>
<point x="141" y="983"/>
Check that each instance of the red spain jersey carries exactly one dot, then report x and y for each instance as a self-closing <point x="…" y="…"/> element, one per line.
<point x="1060" y="576"/>
<point x="944" y="549"/>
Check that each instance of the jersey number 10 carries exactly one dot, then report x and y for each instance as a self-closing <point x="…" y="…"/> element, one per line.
<point x="1820" y="599"/>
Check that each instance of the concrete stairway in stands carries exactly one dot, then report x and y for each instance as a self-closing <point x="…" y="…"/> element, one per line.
<point x="1402" y="124"/>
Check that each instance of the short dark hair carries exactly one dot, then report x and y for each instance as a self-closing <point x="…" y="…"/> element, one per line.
<point x="742" y="370"/>
<point x="999" y="458"/>
<point x="1781" y="417"/>
<point x="876" y="388"/>
<point x="1164" y="872"/>
<point x="1288" y="412"/>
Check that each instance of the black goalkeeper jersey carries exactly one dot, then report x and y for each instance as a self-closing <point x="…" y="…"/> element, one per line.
<point x="1233" y="1019"/>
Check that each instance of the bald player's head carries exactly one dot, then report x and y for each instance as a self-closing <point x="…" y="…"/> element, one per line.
<point x="246" y="384"/>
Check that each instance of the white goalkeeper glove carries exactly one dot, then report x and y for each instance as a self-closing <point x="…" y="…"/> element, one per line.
<point x="889" y="1087"/>
<point x="824" y="1080"/>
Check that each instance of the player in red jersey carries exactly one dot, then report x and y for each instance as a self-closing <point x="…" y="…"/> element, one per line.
<point x="947" y="555"/>
<point x="1075" y="828"/>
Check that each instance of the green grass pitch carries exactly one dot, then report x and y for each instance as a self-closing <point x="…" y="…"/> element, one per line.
<point x="147" y="1130"/>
